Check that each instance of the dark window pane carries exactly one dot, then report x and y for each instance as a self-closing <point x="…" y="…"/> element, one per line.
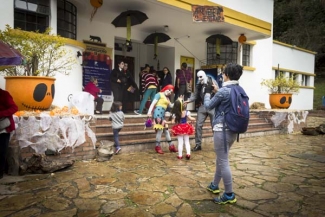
<point x="67" y="16"/>
<point x="19" y="24"/>
<point x="19" y="16"/>
<point x="31" y="18"/>
<point x="42" y="21"/>
<point x="30" y="27"/>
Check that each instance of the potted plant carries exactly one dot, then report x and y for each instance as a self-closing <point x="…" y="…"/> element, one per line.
<point x="281" y="89"/>
<point x="44" y="55"/>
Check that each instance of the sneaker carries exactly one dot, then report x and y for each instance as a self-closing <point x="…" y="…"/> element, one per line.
<point x="225" y="199"/>
<point x="118" y="150"/>
<point x="137" y="112"/>
<point x="213" y="188"/>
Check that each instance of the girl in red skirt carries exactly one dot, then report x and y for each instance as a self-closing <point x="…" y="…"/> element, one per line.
<point x="182" y="129"/>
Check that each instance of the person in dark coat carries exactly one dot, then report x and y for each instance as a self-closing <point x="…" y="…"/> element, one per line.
<point x="121" y="81"/>
<point x="7" y="109"/>
<point x="167" y="79"/>
<point x="133" y="93"/>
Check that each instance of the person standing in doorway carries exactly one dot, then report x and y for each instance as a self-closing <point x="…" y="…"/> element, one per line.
<point x="184" y="77"/>
<point x="7" y="109"/>
<point x="120" y="81"/>
<point x="167" y="79"/>
<point x="130" y="89"/>
<point x="150" y="84"/>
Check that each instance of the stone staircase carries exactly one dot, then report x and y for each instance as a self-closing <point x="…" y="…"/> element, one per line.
<point x="134" y="138"/>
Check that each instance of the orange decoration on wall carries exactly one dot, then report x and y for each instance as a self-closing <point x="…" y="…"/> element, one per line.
<point x="242" y="39"/>
<point x="96" y="4"/>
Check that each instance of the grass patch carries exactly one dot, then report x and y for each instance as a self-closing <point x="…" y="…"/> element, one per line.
<point x="319" y="92"/>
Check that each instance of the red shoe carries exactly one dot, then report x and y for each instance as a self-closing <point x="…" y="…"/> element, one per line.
<point x="158" y="150"/>
<point x="172" y="148"/>
<point x="179" y="157"/>
<point x="188" y="156"/>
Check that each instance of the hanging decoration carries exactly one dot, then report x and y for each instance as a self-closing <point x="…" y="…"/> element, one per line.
<point x="96" y="4"/>
<point x="242" y="39"/>
<point x="127" y="19"/>
<point x="218" y="43"/>
<point x="154" y="39"/>
<point x="128" y="31"/>
<point x="156" y="45"/>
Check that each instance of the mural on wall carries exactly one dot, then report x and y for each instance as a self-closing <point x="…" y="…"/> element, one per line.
<point x="97" y="62"/>
<point x="207" y="13"/>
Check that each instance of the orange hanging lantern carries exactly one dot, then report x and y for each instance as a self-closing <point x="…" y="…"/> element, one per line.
<point x="242" y="39"/>
<point x="96" y="4"/>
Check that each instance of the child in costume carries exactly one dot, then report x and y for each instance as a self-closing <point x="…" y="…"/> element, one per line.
<point x="159" y="104"/>
<point x="117" y="118"/>
<point x="182" y="129"/>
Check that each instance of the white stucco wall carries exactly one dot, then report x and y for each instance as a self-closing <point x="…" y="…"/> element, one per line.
<point x="287" y="57"/>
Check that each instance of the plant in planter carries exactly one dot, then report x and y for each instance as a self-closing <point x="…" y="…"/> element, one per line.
<point x="281" y="89"/>
<point x="44" y="55"/>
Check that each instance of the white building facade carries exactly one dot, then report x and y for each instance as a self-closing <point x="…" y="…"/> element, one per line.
<point x="260" y="56"/>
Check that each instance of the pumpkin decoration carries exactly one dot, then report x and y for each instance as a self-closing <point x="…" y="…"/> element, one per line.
<point x="37" y="93"/>
<point x="96" y="4"/>
<point x="280" y="100"/>
<point x="242" y="39"/>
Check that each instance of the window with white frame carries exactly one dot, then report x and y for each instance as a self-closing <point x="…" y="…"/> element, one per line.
<point x="246" y="54"/>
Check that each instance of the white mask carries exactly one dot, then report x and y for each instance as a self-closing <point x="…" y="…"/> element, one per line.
<point x="203" y="79"/>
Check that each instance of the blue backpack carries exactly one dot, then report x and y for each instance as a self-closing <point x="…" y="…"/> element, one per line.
<point x="237" y="118"/>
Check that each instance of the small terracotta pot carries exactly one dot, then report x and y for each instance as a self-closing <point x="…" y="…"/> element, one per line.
<point x="280" y="100"/>
<point x="31" y="92"/>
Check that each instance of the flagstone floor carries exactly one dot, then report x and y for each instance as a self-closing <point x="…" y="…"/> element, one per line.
<point x="280" y="175"/>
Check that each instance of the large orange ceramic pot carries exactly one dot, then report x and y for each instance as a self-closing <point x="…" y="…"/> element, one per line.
<point x="31" y="92"/>
<point x="280" y="100"/>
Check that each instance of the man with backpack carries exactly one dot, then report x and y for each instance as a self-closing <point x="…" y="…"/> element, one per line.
<point x="231" y="118"/>
<point x="202" y="113"/>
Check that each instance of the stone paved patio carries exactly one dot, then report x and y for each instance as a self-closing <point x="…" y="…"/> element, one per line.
<point x="280" y="175"/>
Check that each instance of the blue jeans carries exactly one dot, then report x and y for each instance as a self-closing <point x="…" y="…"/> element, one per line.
<point x="148" y="93"/>
<point x="116" y="139"/>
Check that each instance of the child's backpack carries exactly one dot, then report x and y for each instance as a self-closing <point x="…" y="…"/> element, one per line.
<point x="237" y="118"/>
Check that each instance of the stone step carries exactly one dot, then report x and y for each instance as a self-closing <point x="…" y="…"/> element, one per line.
<point x="133" y="136"/>
<point x="102" y="128"/>
<point x="138" y="145"/>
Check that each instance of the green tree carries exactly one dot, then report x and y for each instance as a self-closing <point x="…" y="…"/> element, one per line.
<point x="302" y="23"/>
